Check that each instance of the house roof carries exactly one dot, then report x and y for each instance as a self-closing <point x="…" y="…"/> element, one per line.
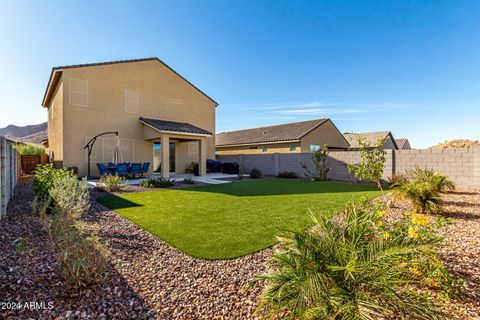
<point x="172" y="126"/>
<point x="279" y="133"/>
<point x="56" y="73"/>
<point x="402" y="143"/>
<point x="370" y="138"/>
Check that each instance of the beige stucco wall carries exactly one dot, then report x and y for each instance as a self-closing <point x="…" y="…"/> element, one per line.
<point x="163" y="95"/>
<point x="55" y="126"/>
<point x="327" y="134"/>
<point x="271" y="148"/>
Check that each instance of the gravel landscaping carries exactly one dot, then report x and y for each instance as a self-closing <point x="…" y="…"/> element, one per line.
<point x="148" y="279"/>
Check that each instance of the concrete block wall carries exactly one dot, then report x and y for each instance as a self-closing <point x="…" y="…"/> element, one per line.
<point x="461" y="165"/>
<point x="9" y="170"/>
<point x="456" y="163"/>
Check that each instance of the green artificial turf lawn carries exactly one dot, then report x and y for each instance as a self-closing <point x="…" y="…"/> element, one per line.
<point x="234" y="219"/>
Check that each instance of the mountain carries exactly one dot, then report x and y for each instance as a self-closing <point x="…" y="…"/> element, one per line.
<point x="459" y="143"/>
<point x="32" y="133"/>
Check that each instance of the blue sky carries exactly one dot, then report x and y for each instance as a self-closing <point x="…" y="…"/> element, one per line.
<point x="412" y="67"/>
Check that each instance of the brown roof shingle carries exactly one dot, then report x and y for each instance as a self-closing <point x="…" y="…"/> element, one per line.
<point x="278" y="133"/>
<point x="403" y="143"/>
<point x="370" y="138"/>
<point x="165" y="125"/>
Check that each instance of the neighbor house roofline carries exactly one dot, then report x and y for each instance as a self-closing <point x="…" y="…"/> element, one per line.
<point x="57" y="72"/>
<point x="255" y="143"/>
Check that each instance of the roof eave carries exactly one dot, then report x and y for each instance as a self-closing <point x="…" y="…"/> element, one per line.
<point x="254" y="143"/>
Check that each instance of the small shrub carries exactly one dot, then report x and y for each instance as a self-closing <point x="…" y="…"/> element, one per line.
<point x="287" y="175"/>
<point x="255" y="173"/>
<point x="241" y="172"/>
<point x="111" y="182"/>
<point x="157" y="182"/>
<point x="320" y="162"/>
<point x="44" y="179"/>
<point x="188" y="181"/>
<point x="346" y="268"/>
<point x="421" y="194"/>
<point x="28" y="149"/>
<point x="79" y="253"/>
<point x="70" y="196"/>
<point x="396" y="180"/>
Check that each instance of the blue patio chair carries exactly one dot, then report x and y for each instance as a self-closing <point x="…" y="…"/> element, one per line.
<point x="103" y="169"/>
<point x="122" y="170"/>
<point x="145" y="167"/>
<point x="135" y="168"/>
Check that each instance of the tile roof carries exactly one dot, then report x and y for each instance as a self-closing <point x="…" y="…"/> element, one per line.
<point x="61" y="68"/>
<point x="164" y="125"/>
<point x="402" y="143"/>
<point x="370" y="138"/>
<point x="277" y="133"/>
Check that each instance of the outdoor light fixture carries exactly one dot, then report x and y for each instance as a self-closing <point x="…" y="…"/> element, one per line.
<point x="89" y="147"/>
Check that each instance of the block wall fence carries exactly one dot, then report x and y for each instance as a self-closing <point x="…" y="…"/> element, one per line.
<point x="9" y="173"/>
<point x="461" y="165"/>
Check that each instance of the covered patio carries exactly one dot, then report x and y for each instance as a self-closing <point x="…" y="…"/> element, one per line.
<point x="175" y="146"/>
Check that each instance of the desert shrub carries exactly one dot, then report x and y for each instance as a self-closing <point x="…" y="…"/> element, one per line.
<point x="45" y="177"/>
<point x="372" y="165"/>
<point x="349" y="267"/>
<point x="421" y="194"/>
<point x="396" y="180"/>
<point x="439" y="182"/>
<point x="320" y="162"/>
<point x="28" y="149"/>
<point x="287" y="175"/>
<point x="80" y="255"/>
<point x="157" y="182"/>
<point x="111" y="182"/>
<point x="188" y="181"/>
<point x="70" y="196"/>
<point x="255" y="173"/>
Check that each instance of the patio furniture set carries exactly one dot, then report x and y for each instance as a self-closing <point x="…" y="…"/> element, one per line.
<point x="125" y="169"/>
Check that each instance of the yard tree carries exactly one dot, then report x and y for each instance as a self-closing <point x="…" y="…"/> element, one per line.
<point x="372" y="165"/>
<point x="320" y="161"/>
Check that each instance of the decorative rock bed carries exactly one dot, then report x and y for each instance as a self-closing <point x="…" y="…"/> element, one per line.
<point x="147" y="278"/>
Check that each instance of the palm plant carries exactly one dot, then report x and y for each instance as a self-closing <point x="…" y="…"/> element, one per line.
<point x="341" y="268"/>
<point x="422" y="195"/>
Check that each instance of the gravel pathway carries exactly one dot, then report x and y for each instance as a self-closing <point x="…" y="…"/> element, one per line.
<point x="148" y="279"/>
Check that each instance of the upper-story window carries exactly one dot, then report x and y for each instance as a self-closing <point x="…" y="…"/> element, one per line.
<point x="78" y="92"/>
<point x="314" y="148"/>
<point x="132" y="101"/>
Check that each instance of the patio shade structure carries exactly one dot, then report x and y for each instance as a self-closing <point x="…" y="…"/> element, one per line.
<point x="89" y="147"/>
<point x="117" y="154"/>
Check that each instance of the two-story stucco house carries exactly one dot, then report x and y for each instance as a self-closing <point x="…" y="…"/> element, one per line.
<point x="160" y="116"/>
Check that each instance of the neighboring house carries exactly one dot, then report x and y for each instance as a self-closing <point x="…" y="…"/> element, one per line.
<point x="371" y="138"/>
<point x="305" y="136"/>
<point x="403" y="144"/>
<point x="161" y="117"/>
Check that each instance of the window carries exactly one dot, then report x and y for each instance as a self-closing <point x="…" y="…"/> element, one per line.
<point x="78" y="92"/>
<point x="132" y="101"/>
<point x="293" y="147"/>
<point x="104" y="146"/>
<point x="264" y="149"/>
<point x="252" y="148"/>
<point x="314" y="148"/>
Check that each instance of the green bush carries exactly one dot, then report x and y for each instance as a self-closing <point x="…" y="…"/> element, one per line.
<point x="421" y="194"/>
<point x="28" y="149"/>
<point x="241" y="172"/>
<point x="439" y="182"/>
<point x="319" y="160"/>
<point x="157" y="182"/>
<point x="44" y="179"/>
<point x="255" y="173"/>
<point x="287" y="175"/>
<point x="111" y="182"/>
<point x="346" y="268"/>
<point x="188" y="181"/>
<point x="70" y="196"/>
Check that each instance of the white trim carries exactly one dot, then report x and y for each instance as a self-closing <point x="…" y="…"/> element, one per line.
<point x="176" y="132"/>
<point x="70" y="92"/>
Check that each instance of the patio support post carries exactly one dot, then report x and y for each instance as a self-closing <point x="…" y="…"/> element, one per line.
<point x="202" y="157"/>
<point x="165" y="155"/>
